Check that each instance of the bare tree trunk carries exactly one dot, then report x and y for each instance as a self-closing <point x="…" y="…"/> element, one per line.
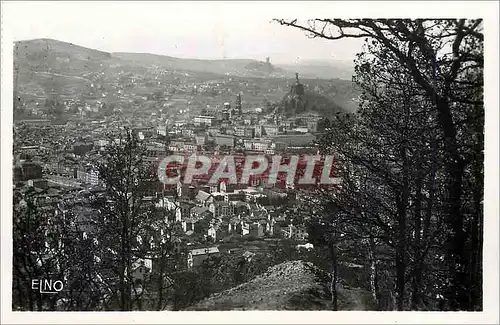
<point x="401" y="265"/>
<point x="373" y="273"/>
<point x="456" y="250"/>
<point x="402" y="203"/>
<point x="476" y="242"/>
<point x="159" y="305"/>
<point x="334" y="279"/>
<point x="125" y="290"/>
<point x="418" y="251"/>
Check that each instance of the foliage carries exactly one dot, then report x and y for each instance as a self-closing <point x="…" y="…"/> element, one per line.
<point x="410" y="160"/>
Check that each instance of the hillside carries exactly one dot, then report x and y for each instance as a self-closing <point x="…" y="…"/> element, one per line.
<point x="47" y="68"/>
<point x="293" y="285"/>
<point x="50" y="55"/>
<point x="311" y="102"/>
<point x="55" y="56"/>
<point x="235" y="67"/>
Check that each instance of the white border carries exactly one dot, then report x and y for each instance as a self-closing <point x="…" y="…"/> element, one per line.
<point x="439" y="9"/>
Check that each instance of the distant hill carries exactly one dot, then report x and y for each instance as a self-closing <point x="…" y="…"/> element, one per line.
<point x="236" y="67"/>
<point x="47" y="67"/>
<point x="264" y="68"/>
<point x="51" y="55"/>
<point x="322" y="69"/>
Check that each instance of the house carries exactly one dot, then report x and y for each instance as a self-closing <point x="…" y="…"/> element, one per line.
<point x="82" y="148"/>
<point x="257" y="144"/>
<point x="257" y="212"/>
<point x="294" y="140"/>
<point x="190" y="146"/>
<point x="218" y="229"/>
<point x="241" y="207"/>
<point x="256" y="230"/>
<point x="279" y="146"/>
<point x="28" y="170"/>
<point x="224" y="140"/>
<point x="187" y="132"/>
<point x="141" y="269"/>
<point x="244" y="131"/>
<point x="185" y="207"/>
<point x="201" y="139"/>
<point x="259" y="130"/>
<point x="204" y="198"/>
<point x="204" y="120"/>
<point x="196" y="256"/>
<point x="87" y="175"/>
<point x="220" y="196"/>
<point x="155" y="152"/>
<point x="200" y="212"/>
<point x="271" y="129"/>
<point x="220" y="209"/>
<point x="234" y="225"/>
<point x="295" y="232"/>
<point x="248" y="256"/>
<point x="301" y="233"/>
<point x="161" y="130"/>
<point x="312" y="125"/>
<point x="276" y="228"/>
<point x="213" y="130"/>
<point x="39" y="183"/>
<point x="170" y="206"/>
<point x="288" y="124"/>
<point x="189" y="223"/>
<point x="245" y="227"/>
<point x="176" y="145"/>
<point x="307" y="246"/>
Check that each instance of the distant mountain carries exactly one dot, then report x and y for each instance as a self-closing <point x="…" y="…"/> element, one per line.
<point x="45" y="68"/>
<point x="51" y="55"/>
<point x="55" y="56"/>
<point x="324" y="62"/>
<point x="236" y="67"/>
<point x="334" y="69"/>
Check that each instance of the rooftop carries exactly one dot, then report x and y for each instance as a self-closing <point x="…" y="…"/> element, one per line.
<point x="203" y="251"/>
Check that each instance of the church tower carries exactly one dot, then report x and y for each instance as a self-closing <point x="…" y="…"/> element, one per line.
<point x="298" y="88"/>
<point x="297" y="94"/>
<point x="238" y="104"/>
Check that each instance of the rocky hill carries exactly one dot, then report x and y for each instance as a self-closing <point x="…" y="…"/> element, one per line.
<point x="265" y="68"/>
<point x="293" y="285"/>
<point x="311" y="101"/>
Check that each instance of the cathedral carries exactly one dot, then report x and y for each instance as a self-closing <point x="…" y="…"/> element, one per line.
<point x="293" y="102"/>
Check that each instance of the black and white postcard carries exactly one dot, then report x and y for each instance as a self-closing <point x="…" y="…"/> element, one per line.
<point x="285" y="162"/>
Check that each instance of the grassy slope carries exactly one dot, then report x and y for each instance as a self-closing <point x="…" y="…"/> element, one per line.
<point x="293" y="285"/>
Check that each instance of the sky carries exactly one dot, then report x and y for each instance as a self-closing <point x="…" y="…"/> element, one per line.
<point x="213" y="30"/>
